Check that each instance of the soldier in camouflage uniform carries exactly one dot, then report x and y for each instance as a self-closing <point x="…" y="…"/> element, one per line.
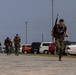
<point x="7" y="44"/>
<point x="17" y="41"/>
<point x="0" y="48"/>
<point x="11" y="46"/>
<point x="59" y="32"/>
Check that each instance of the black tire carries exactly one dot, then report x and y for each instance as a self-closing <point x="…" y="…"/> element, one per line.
<point x="35" y="52"/>
<point x="68" y="54"/>
<point x="52" y="53"/>
<point x="25" y="52"/>
<point x="46" y="52"/>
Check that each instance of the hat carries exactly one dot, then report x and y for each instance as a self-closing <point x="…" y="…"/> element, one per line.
<point x="61" y="20"/>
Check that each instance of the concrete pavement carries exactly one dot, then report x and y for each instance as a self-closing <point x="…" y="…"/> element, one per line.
<point x="36" y="65"/>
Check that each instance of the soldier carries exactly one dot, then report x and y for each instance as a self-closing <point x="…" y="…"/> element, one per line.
<point x="0" y="47"/>
<point x="11" y="46"/>
<point x="59" y="32"/>
<point x="17" y="41"/>
<point x="7" y="44"/>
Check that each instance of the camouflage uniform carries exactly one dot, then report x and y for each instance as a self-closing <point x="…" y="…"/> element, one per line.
<point x="7" y="43"/>
<point x="17" y="41"/>
<point x="0" y="47"/>
<point x="59" y="34"/>
<point x="11" y="46"/>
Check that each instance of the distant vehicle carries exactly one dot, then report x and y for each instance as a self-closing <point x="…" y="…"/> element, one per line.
<point x="40" y="47"/>
<point x="26" y="49"/>
<point x="71" y="50"/>
<point x="35" y="47"/>
<point x="20" y="49"/>
<point x="52" y="48"/>
<point x="44" y="47"/>
<point x="3" y="50"/>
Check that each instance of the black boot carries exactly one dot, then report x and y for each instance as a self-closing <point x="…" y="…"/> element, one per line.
<point x="60" y="55"/>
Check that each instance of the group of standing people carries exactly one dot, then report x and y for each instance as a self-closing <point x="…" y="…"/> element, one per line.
<point x="9" y="44"/>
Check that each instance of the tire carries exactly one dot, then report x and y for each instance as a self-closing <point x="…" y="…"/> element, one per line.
<point x="35" y="52"/>
<point x="45" y="52"/>
<point x="68" y="54"/>
<point x="25" y="52"/>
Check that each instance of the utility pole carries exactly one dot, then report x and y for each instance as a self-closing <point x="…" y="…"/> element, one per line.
<point x="52" y="13"/>
<point x="26" y="31"/>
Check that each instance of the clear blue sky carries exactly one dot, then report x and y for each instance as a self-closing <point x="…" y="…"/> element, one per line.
<point x="38" y="14"/>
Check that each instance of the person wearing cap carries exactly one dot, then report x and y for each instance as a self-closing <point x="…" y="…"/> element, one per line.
<point x="0" y="47"/>
<point x="7" y="44"/>
<point x="59" y="32"/>
<point x="17" y="41"/>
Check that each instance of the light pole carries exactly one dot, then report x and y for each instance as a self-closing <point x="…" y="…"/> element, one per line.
<point x="52" y="13"/>
<point x="26" y="31"/>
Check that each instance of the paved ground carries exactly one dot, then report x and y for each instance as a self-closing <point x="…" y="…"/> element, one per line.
<point x="36" y="65"/>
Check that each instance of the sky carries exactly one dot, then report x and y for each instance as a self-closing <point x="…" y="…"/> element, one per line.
<point x="38" y="14"/>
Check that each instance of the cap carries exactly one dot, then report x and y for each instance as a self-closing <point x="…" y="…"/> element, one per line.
<point x="61" y="20"/>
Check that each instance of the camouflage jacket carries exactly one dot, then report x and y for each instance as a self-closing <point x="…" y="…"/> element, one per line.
<point x="17" y="40"/>
<point x="59" y="32"/>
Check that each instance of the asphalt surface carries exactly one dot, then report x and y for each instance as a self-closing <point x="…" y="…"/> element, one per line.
<point x="36" y="65"/>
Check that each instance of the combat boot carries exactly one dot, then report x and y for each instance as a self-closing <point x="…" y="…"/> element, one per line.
<point x="60" y="59"/>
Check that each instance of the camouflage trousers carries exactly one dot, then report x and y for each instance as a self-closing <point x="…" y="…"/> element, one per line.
<point x="16" y="49"/>
<point x="7" y="49"/>
<point x="59" y="46"/>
